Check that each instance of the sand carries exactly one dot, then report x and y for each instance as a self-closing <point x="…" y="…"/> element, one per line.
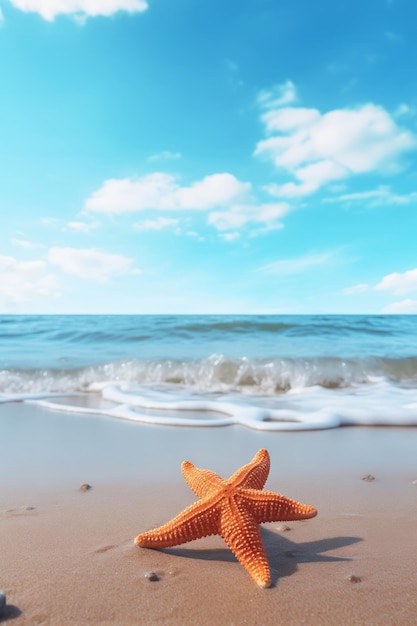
<point x="67" y="556"/>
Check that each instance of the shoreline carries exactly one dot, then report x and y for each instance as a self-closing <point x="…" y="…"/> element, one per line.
<point x="67" y="557"/>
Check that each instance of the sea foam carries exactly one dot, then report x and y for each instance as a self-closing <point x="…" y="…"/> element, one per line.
<point x="314" y="408"/>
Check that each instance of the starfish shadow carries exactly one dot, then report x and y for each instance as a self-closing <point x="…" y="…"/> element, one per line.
<point x="283" y="554"/>
<point x="9" y="612"/>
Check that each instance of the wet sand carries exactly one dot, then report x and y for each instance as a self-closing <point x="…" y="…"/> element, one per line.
<point x="67" y="556"/>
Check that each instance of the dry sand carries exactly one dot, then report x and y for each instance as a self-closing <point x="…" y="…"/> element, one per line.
<point x="67" y="556"/>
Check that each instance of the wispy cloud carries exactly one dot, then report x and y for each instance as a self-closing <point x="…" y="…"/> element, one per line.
<point x="24" y="243"/>
<point x="336" y="68"/>
<point x="165" y="155"/>
<point x="375" y="197"/>
<point x="230" y="236"/>
<point x="90" y="263"/>
<point x="239" y="215"/>
<point x="278" y="95"/>
<point x="232" y="70"/>
<point x="285" y="267"/>
<point x="81" y="227"/>
<point x="50" y="9"/>
<point x="159" y="223"/>
<point x="356" y="289"/>
<point x="404" y="110"/>
<point x="50" y="222"/>
<point x="394" y="37"/>
<point x="316" y="148"/>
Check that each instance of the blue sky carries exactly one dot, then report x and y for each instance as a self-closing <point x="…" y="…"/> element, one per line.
<point x="239" y="156"/>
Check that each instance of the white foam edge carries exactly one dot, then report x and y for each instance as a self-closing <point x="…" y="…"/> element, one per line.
<point x="128" y="412"/>
<point x="399" y="411"/>
<point x="252" y="417"/>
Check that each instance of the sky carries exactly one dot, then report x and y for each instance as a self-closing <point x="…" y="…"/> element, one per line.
<point x="222" y="156"/>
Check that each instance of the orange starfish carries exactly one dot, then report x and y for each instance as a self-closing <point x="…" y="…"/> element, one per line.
<point x="233" y="509"/>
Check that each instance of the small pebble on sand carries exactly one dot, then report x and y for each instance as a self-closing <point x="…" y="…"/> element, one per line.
<point x="85" y="487"/>
<point x="151" y="576"/>
<point x="369" y="478"/>
<point x="354" y="579"/>
<point x="283" y="528"/>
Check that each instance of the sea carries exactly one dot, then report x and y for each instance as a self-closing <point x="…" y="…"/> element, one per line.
<point x="265" y="372"/>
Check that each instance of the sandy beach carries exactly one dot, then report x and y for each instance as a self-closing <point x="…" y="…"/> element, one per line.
<point x="67" y="556"/>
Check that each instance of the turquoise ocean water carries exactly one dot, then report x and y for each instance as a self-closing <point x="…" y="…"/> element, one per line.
<point x="262" y="372"/>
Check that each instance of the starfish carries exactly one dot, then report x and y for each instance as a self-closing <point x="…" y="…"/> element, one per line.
<point x="233" y="509"/>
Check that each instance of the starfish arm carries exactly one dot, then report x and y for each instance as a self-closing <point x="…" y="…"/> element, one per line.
<point x="202" y="482"/>
<point x="267" y="506"/>
<point x="254" y="474"/>
<point x="198" y="520"/>
<point x="241" y="533"/>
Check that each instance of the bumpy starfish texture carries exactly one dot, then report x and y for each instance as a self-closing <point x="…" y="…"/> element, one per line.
<point x="233" y="509"/>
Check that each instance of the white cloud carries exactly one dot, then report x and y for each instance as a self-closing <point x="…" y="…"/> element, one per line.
<point x="399" y="283"/>
<point x="235" y="217"/>
<point x="316" y="148"/>
<point x="90" y="263"/>
<point x="49" y="9"/>
<point x="1" y="16"/>
<point x="289" y="119"/>
<point x="361" y="140"/>
<point x="311" y="178"/>
<point x="81" y="227"/>
<point x="229" y="202"/>
<point x="239" y="215"/>
<point x="160" y="191"/>
<point x="21" y="281"/>
<point x="165" y="155"/>
<point x="212" y="191"/>
<point x="157" y="224"/>
<point x="404" y="307"/>
<point x="360" y="288"/>
<point x="286" y="267"/>
<point x="117" y="196"/>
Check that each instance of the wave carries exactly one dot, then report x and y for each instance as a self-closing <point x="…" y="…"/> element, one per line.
<point x="219" y="373"/>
